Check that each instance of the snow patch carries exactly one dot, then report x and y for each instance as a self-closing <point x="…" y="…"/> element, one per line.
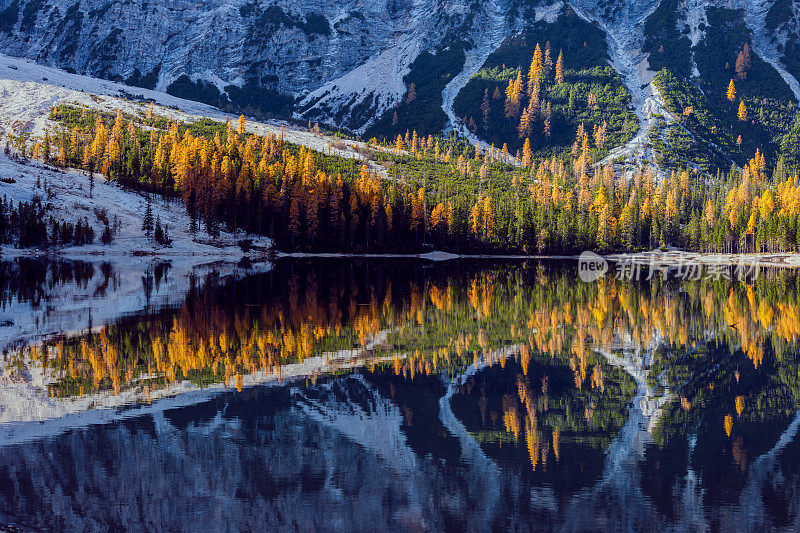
<point x="377" y="83"/>
<point x="28" y="91"/>
<point x="72" y="199"/>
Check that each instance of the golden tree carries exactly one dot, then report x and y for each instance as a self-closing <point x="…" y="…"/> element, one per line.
<point x="560" y="68"/>
<point x="731" y="94"/>
<point x="742" y="113"/>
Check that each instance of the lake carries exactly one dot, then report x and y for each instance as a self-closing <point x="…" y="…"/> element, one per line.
<point x="402" y="395"/>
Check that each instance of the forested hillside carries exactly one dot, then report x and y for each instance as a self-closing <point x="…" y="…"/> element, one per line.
<point x="508" y="128"/>
<point x="439" y="192"/>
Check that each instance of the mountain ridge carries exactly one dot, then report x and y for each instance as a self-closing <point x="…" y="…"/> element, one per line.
<point x="352" y="65"/>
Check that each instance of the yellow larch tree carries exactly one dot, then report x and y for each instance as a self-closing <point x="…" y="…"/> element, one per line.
<point x="731" y="93"/>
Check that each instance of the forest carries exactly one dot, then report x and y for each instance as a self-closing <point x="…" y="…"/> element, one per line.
<point x="440" y="192"/>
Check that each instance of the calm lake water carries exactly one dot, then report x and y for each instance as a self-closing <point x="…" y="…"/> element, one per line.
<point x="395" y="395"/>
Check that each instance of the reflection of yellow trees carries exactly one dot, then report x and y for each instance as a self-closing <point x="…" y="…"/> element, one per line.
<point x="556" y="443"/>
<point x="466" y="318"/>
<point x="598" y="378"/>
<point x="226" y="342"/>
<point x="481" y="295"/>
<point x="441" y="298"/>
<point x="739" y="405"/>
<point x="511" y="417"/>
<point x="524" y="358"/>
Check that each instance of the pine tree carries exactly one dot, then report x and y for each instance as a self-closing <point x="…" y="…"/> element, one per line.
<point x="107" y="236"/>
<point x="240" y="130"/>
<point x="412" y="93"/>
<point x="295" y="223"/>
<point x="486" y="108"/>
<point x="158" y="233"/>
<point x="600" y="135"/>
<point x="514" y="94"/>
<point x="46" y="147"/>
<point x="731" y="94"/>
<point x="526" y="153"/>
<point x="548" y="60"/>
<point x="147" y="221"/>
<point x="535" y="71"/>
<point x="560" y="68"/>
<point x="508" y="108"/>
<point x="742" y="113"/>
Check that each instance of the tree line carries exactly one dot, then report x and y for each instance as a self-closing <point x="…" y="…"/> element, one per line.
<point x="440" y="193"/>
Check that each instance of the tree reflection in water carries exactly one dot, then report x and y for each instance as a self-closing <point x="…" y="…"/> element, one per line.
<point x="487" y="395"/>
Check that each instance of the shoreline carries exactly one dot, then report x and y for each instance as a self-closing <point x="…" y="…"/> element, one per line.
<point x="671" y="257"/>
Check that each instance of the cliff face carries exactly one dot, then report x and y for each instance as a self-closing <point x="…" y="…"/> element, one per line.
<point x="294" y="45"/>
<point x="285" y="47"/>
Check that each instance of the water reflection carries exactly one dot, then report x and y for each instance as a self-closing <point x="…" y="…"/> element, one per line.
<point x="404" y="395"/>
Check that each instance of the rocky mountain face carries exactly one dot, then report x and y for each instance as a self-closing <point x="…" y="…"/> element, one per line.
<point x="347" y="54"/>
<point x="351" y="64"/>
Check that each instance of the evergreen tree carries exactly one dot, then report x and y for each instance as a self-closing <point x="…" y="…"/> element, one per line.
<point x="158" y="233"/>
<point x="147" y="220"/>
<point x="743" y="62"/>
<point x="486" y="108"/>
<point x="107" y="236"/>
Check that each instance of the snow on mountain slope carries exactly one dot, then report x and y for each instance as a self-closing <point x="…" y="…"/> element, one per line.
<point x="70" y="200"/>
<point x="29" y="91"/>
<point x="287" y="45"/>
<point x="344" y="60"/>
<point x="360" y="97"/>
<point x="377" y="84"/>
<point x="343" y="64"/>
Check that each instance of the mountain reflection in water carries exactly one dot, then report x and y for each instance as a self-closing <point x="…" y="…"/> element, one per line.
<point x="403" y="395"/>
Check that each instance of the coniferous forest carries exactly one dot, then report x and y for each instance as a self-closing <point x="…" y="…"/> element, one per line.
<point x="421" y="192"/>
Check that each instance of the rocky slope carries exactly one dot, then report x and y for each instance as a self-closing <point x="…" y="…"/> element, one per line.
<point x="348" y="64"/>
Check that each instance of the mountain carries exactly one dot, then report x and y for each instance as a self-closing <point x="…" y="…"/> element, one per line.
<point x="378" y="68"/>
